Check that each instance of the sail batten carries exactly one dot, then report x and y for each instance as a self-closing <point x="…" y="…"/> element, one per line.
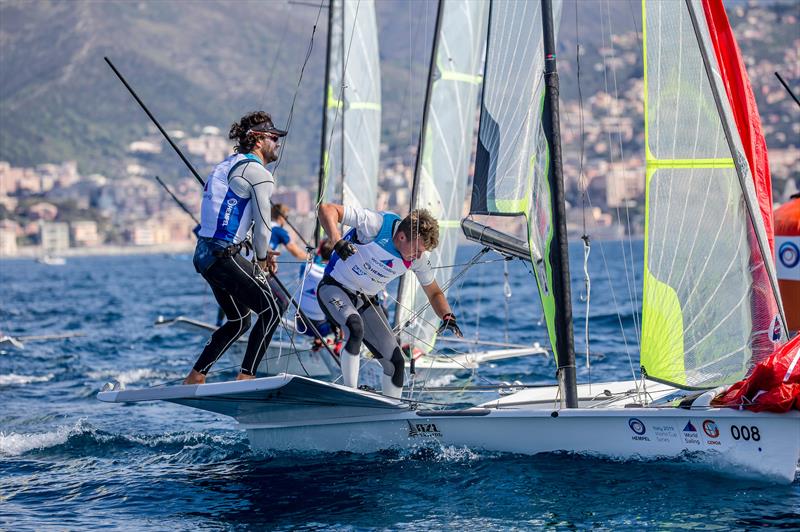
<point x="351" y="139"/>
<point x="442" y="171"/>
<point x="707" y="303"/>
<point x="513" y="156"/>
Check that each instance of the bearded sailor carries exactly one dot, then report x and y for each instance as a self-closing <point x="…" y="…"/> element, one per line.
<point x="379" y="248"/>
<point x="236" y="200"/>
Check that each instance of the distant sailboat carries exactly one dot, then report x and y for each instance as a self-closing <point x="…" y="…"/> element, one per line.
<point x="51" y="260"/>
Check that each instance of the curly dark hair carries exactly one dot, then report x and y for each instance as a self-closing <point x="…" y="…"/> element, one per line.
<point x="240" y="131"/>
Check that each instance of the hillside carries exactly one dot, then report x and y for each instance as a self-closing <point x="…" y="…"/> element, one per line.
<point x="198" y="63"/>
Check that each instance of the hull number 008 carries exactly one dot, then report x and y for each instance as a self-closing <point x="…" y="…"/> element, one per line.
<point x="743" y="432"/>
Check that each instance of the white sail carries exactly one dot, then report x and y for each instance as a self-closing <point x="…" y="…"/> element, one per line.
<point x="708" y="306"/>
<point x="443" y="167"/>
<point x="352" y="106"/>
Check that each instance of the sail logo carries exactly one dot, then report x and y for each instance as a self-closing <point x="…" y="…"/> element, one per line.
<point x="423" y="430"/>
<point x="776" y="329"/>
<point x="710" y="428"/>
<point x="789" y="254"/>
<point x="689" y="427"/>
<point x="388" y="263"/>
<point x="638" y="428"/>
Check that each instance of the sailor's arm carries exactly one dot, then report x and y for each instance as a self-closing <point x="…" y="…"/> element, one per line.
<point x="262" y="185"/>
<point x="442" y="308"/>
<point x="330" y="216"/>
<point x="295" y="250"/>
<point x="438" y="301"/>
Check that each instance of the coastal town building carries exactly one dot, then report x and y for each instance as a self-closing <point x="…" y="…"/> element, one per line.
<point x="84" y="233"/>
<point x="54" y="236"/>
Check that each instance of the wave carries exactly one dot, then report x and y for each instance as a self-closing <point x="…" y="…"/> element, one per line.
<point x="129" y="376"/>
<point x="13" y="378"/>
<point x="83" y="439"/>
<point x="14" y="444"/>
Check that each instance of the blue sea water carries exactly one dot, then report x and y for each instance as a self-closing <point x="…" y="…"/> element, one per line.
<point x="68" y="461"/>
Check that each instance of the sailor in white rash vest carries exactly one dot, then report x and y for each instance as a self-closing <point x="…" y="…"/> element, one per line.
<point x="379" y="248"/>
<point x="236" y="200"/>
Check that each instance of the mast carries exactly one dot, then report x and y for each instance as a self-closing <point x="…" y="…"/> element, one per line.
<point x="344" y="59"/>
<point x="561" y="288"/>
<point x="323" y="146"/>
<point x="421" y="141"/>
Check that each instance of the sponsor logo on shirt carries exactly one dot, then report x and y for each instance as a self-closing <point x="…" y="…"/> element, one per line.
<point x="228" y="210"/>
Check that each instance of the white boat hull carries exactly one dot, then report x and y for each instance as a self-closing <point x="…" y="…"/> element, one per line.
<point x="596" y="432"/>
<point x="290" y="413"/>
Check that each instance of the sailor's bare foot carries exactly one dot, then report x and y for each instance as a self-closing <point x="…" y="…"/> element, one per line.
<point x="245" y="377"/>
<point x="195" y="377"/>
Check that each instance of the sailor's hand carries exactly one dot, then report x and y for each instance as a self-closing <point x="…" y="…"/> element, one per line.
<point x="270" y="264"/>
<point x="449" y="324"/>
<point x="345" y="249"/>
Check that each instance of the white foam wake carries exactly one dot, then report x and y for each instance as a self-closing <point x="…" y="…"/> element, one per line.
<point x="15" y="444"/>
<point x="126" y="377"/>
<point x="13" y="378"/>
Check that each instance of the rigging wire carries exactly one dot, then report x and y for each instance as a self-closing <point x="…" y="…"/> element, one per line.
<point x="340" y="99"/>
<point x="271" y="72"/>
<point x="506" y="297"/>
<point x="587" y="280"/>
<point x="627" y="255"/>
<point x="612" y="290"/>
<point x="297" y="88"/>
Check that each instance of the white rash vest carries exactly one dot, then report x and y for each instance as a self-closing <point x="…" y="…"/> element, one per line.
<point x="377" y="261"/>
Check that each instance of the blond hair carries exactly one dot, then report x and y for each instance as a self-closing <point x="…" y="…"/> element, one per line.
<point x="421" y="225"/>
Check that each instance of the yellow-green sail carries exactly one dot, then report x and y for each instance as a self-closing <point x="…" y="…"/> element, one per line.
<point x="701" y="265"/>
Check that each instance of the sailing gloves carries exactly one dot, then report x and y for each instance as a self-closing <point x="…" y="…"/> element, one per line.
<point x="345" y="249"/>
<point x="449" y="324"/>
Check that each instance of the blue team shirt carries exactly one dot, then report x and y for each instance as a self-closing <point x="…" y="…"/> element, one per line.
<point x="280" y="236"/>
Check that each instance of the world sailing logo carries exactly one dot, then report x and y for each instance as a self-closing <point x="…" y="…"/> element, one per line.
<point x="789" y="254"/>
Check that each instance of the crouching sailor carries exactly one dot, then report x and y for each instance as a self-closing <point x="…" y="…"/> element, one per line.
<point x="379" y="248"/>
<point x="236" y="199"/>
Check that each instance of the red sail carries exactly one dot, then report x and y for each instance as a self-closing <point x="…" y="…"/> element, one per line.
<point x="773" y="386"/>
<point x="766" y="322"/>
<point x="743" y="104"/>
